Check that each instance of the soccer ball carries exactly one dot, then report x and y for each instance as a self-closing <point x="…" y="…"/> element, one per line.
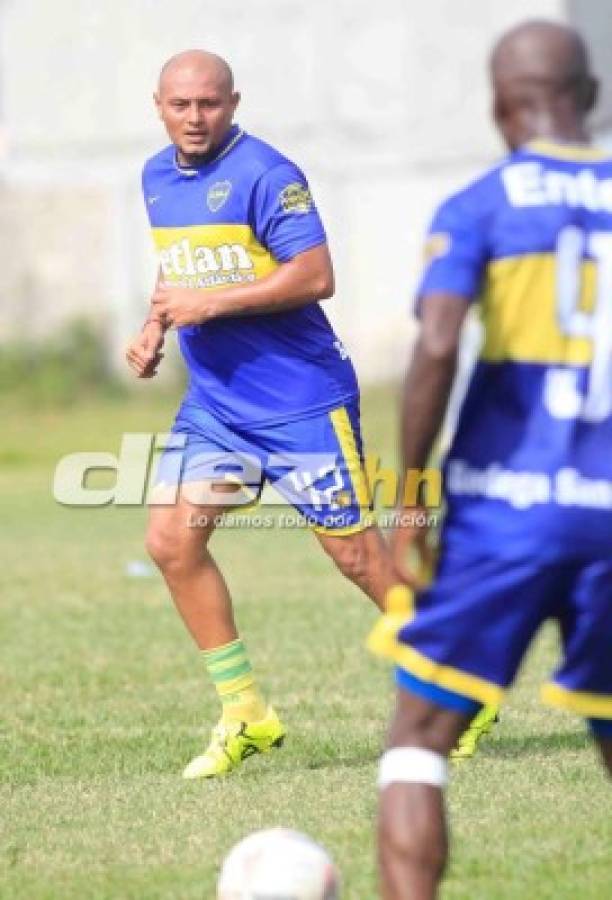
<point x="278" y="864"/>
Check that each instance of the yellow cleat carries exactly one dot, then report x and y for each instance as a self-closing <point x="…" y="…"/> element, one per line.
<point x="481" y="724"/>
<point x="231" y="742"/>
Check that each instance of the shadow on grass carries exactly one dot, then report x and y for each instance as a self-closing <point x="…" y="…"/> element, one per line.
<point x="163" y="757"/>
<point x="509" y="747"/>
<point x="329" y="754"/>
<point x="342" y="762"/>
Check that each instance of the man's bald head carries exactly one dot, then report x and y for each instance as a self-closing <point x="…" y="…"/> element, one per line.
<point x="196" y="101"/>
<point x="542" y="81"/>
<point x="198" y="62"/>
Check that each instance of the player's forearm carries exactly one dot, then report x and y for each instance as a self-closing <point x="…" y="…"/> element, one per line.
<point x="154" y="320"/>
<point x="430" y="376"/>
<point x="425" y="397"/>
<point x="288" y="287"/>
<point x="305" y="279"/>
<point x="154" y="317"/>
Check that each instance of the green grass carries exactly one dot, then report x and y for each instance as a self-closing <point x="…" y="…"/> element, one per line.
<point x="104" y="700"/>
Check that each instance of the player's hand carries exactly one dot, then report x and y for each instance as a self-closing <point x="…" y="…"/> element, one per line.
<point x="182" y="306"/>
<point x="144" y="354"/>
<point x="411" y="549"/>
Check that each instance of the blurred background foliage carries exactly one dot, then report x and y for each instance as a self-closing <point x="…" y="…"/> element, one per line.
<point x="69" y="366"/>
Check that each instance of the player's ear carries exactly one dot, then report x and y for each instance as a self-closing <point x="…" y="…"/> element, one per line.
<point x="157" y="101"/>
<point x="498" y="116"/>
<point x="235" y="99"/>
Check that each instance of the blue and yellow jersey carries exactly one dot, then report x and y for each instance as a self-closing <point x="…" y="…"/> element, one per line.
<point x="530" y="467"/>
<point x="230" y="222"/>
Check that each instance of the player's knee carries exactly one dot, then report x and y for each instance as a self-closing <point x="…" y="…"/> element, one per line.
<point x="164" y="548"/>
<point x="350" y="558"/>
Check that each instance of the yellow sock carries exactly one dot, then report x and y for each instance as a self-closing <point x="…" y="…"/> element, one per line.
<point x="232" y="675"/>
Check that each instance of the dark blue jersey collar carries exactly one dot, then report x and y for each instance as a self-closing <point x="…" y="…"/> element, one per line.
<point x="228" y="143"/>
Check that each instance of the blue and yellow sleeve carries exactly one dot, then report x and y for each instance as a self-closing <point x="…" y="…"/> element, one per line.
<point x="455" y="250"/>
<point x="285" y="219"/>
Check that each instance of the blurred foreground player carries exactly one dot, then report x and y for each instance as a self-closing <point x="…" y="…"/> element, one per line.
<point x="272" y="393"/>
<point x="528" y="536"/>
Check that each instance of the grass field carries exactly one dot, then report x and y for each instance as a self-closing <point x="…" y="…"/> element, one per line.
<point x="104" y="700"/>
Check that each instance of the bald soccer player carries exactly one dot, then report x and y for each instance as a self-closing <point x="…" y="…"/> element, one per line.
<point x="272" y="393"/>
<point x="528" y="535"/>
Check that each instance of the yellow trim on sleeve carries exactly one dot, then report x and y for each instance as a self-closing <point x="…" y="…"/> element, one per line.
<point x="593" y="706"/>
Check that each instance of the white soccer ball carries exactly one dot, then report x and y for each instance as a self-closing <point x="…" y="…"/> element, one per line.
<point x="278" y="864"/>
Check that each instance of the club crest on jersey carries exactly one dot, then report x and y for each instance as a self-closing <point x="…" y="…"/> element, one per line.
<point x="218" y="194"/>
<point x="295" y="198"/>
<point x="437" y="244"/>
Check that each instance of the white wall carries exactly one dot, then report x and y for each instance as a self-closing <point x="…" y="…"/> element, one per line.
<point x="385" y="105"/>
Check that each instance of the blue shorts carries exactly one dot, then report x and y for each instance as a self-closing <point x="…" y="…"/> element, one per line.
<point x="473" y="625"/>
<point x="315" y="463"/>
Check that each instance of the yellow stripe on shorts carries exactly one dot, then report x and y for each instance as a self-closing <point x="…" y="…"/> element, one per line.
<point x="593" y="706"/>
<point x="346" y="438"/>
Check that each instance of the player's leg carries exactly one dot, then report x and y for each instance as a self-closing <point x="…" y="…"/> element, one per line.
<point x="364" y="558"/>
<point x="412" y="837"/>
<point x="325" y="480"/>
<point x="605" y="746"/>
<point x="177" y="538"/>
<point x="459" y="649"/>
<point x="601" y="730"/>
